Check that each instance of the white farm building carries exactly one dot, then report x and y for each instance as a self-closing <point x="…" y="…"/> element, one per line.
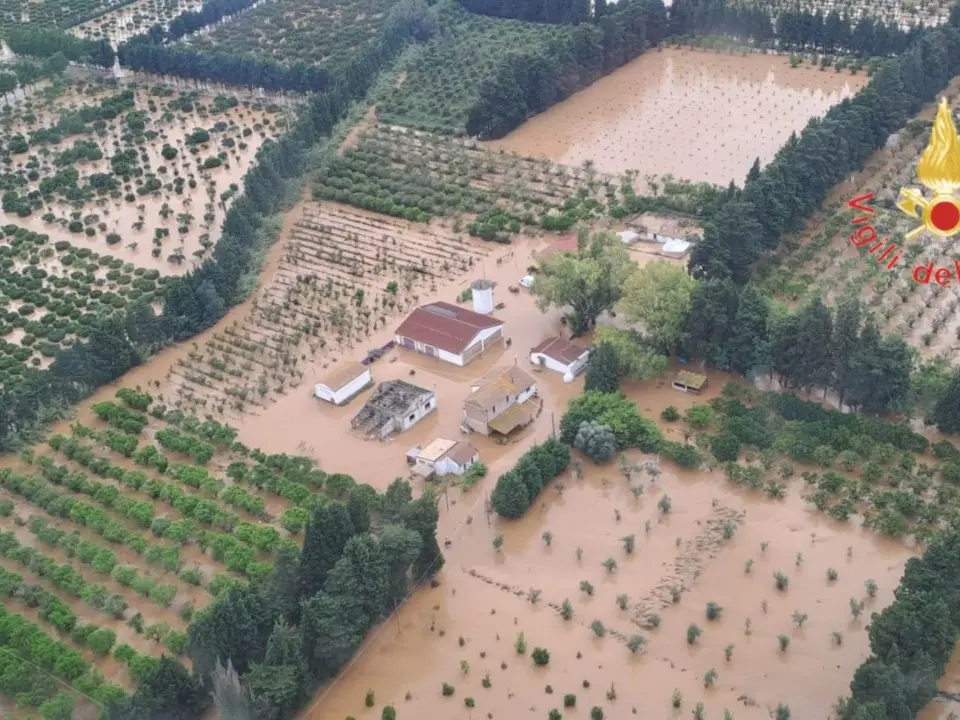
<point x="561" y="356"/>
<point x="342" y="383"/>
<point x="450" y="333"/>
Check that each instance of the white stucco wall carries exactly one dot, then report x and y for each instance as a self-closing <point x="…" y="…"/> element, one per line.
<point x="481" y="339"/>
<point x="346" y="392"/>
<point x="526" y="394"/>
<point x="557" y="366"/>
<point x="422" y="409"/>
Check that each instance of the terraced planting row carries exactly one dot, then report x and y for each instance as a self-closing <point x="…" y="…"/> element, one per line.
<point x="159" y="534"/>
<point x="344" y="275"/>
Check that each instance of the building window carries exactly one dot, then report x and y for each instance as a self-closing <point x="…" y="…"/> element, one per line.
<point x="412" y="416"/>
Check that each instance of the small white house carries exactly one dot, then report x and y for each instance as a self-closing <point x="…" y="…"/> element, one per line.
<point x="343" y="383"/>
<point x="445" y="457"/>
<point x="629" y="237"/>
<point x="561" y="356"/>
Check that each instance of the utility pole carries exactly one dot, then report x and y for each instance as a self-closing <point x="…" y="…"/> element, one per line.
<point x="553" y="425"/>
<point x="396" y="614"/>
<point x="446" y="495"/>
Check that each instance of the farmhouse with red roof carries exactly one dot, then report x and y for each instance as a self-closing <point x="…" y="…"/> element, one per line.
<point x="450" y="333"/>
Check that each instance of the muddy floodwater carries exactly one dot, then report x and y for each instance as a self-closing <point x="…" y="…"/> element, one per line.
<point x="483" y="601"/>
<point x="692" y="114"/>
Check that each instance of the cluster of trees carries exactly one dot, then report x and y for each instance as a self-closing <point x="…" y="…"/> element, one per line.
<point x="263" y="646"/>
<point x="739" y="329"/>
<point x="613" y="410"/>
<point x="46" y="42"/>
<point x="795" y="28"/>
<point x="911" y="640"/>
<point x="517" y="489"/>
<point x="776" y="200"/>
<point x="152" y="52"/>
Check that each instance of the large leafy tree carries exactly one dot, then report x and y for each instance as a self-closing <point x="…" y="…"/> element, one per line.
<point x="846" y="340"/>
<point x="603" y="369"/>
<point x="589" y="282"/>
<point x="361" y="576"/>
<point x="166" y="692"/>
<point x="749" y="343"/>
<point x="327" y="534"/>
<point x="636" y="360"/>
<point x="401" y="548"/>
<point x="422" y="516"/>
<point x="946" y="411"/>
<point x="710" y="321"/>
<point x="235" y="628"/>
<point x="658" y="297"/>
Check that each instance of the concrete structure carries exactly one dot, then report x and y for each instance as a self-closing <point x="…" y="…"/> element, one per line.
<point x="445" y="331"/>
<point x="482" y="292"/>
<point x="443" y="457"/>
<point x="395" y="406"/>
<point x="343" y="383"/>
<point x="675" y="248"/>
<point x="500" y="401"/>
<point x="689" y="382"/>
<point x="562" y="356"/>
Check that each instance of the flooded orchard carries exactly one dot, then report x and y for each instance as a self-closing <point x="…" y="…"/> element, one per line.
<point x="691" y="114"/>
<point x="715" y="544"/>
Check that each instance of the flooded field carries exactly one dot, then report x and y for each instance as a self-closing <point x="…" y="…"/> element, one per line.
<point x="683" y="560"/>
<point x="691" y="114"/>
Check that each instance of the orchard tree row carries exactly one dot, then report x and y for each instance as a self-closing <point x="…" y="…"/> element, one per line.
<point x="45" y="42"/>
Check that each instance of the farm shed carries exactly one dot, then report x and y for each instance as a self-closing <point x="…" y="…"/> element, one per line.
<point x="395" y="406"/>
<point x="452" y="334"/>
<point x="343" y="383"/>
<point x="498" y="401"/>
<point x="689" y="382"/>
<point x="560" y="355"/>
<point x="629" y="237"/>
<point x="445" y="457"/>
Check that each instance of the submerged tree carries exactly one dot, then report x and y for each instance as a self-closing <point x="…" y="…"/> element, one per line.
<point x="588" y="282"/>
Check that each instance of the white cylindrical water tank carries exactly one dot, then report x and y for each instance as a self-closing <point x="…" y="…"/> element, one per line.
<point x="482" y="291"/>
<point x="568" y="377"/>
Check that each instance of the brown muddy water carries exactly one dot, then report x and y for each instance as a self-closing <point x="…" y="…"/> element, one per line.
<point x="692" y="114"/>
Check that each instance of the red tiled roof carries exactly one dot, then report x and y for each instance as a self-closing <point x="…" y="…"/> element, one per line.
<point x="445" y="326"/>
<point x="559" y="349"/>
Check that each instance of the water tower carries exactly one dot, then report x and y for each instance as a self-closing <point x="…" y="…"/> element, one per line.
<point x="482" y="291"/>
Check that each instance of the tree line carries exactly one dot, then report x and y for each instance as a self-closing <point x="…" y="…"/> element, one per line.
<point x="261" y="648"/>
<point x="793" y="29"/>
<point x="47" y="42"/>
<point x="198" y="299"/>
<point x="911" y="640"/>
<point x="544" y="11"/>
<point x="153" y="52"/>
